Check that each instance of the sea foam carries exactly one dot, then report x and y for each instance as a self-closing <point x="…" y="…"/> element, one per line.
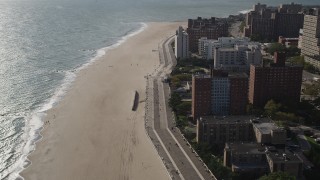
<point x="34" y="123"/>
<point x="245" y="11"/>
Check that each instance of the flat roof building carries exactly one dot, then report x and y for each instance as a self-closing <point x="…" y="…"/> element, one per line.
<point x="237" y="59"/>
<point x="285" y="161"/>
<point x="181" y="43"/>
<point x="238" y="93"/>
<point x="222" y="129"/>
<point x="212" y="28"/>
<point x="267" y="23"/>
<point x="207" y="46"/>
<point x="247" y="159"/>
<point x="201" y="96"/>
<point x="278" y="81"/>
<point x="252" y="160"/>
<point x="267" y="132"/>
<point x="219" y="94"/>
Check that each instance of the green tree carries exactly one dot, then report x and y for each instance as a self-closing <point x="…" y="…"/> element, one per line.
<point x="272" y="107"/>
<point x="255" y="37"/>
<point x="182" y="122"/>
<point x="299" y="60"/>
<point x="184" y="77"/>
<point x="253" y="110"/>
<point x="183" y="108"/>
<point x="276" y="47"/>
<point x="188" y="133"/>
<point x="312" y="89"/>
<point x="293" y="51"/>
<point x="174" y="101"/>
<point x="198" y="71"/>
<point x="175" y="82"/>
<point x="277" y="176"/>
<point x="284" y="116"/>
<point x="309" y="67"/>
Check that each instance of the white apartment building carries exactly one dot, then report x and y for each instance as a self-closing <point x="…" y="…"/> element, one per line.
<point x="310" y="46"/>
<point x="207" y="46"/>
<point x="238" y="58"/>
<point x="181" y="44"/>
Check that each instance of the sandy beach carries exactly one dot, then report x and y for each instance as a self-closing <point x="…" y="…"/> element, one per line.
<point x="93" y="133"/>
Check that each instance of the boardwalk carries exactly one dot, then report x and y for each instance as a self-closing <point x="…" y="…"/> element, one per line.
<point x="179" y="158"/>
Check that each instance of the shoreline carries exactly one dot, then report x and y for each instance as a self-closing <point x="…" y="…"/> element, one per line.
<point x="35" y="124"/>
<point x="54" y="114"/>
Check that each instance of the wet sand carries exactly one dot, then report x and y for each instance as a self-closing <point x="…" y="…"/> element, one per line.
<point x="93" y="132"/>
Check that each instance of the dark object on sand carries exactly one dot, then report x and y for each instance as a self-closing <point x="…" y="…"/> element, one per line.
<point x="135" y="101"/>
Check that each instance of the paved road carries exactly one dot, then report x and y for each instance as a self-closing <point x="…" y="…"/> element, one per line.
<point x="309" y="76"/>
<point x="304" y="144"/>
<point x="179" y="158"/>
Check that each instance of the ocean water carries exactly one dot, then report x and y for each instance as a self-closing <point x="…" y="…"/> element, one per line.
<point x="44" y="43"/>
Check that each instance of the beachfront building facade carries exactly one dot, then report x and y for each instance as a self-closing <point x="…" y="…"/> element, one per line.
<point x="217" y="130"/>
<point x="265" y="23"/>
<point x="223" y="129"/>
<point x="310" y="45"/>
<point x="238" y="93"/>
<point x="207" y="46"/>
<point x="277" y="81"/>
<point x="201" y="96"/>
<point x="238" y="58"/>
<point x="212" y="28"/>
<point x="181" y="44"/>
<point x="219" y="94"/>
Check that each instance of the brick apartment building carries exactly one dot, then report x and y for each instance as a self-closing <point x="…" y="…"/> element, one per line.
<point x="270" y="23"/>
<point x="216" y="130"/>
<point x="252" y="160"/>
<point x="201" y="95"/>
<point x="219" y="94"/>
<point x="222" y="129"/>
<point x="212" y="28"/>
<point x="278" y="81"/>
<point x="238" y="93"/>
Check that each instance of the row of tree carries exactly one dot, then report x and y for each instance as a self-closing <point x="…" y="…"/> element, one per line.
<point x="278" y="47"/>
<point x="283" y="113"/>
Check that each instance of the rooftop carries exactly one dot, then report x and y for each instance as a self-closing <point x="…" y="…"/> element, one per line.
<point x="271" y="66"/>
<point x="201" y="76"/>
<point x="265" y="127"/>
<point x="282" y="155"/>
<point x="226" y="119"/>
<point x="227" y="49"/>
<point x="246" y="148"/>
<point x="247" y="166"/>
<point x="237" y="75"/>
<point x="274" y="154"/>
